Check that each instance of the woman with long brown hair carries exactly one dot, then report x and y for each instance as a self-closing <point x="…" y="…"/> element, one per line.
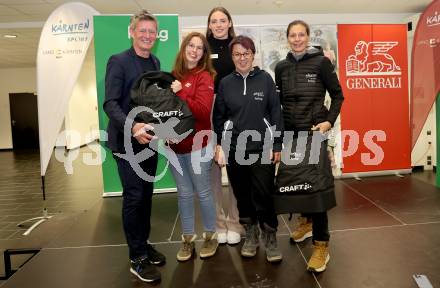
<point x="195" y="85"/>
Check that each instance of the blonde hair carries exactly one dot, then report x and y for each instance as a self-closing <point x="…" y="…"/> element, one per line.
<point x="142" y="15"/>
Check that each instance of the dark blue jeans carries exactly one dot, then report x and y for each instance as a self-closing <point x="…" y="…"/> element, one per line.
<point x="136" y="204"/>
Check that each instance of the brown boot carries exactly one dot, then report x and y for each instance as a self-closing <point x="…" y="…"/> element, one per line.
<point x="209" y="246"/>
<point x="320" y="257"/>
<point x="302" y="231"/>
<point x="188" y="247"/>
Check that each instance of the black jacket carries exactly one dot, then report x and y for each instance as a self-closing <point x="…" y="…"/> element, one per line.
<point x="122" y="70"/>
<point x="249" y="103"/>
<point x="221" y="59"/>
<point x="303" y="84"/>
<point x="152" y="90"/>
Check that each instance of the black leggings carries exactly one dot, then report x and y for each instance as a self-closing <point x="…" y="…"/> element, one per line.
<point x="320" y="225"/>
<point x="252" y="186"/>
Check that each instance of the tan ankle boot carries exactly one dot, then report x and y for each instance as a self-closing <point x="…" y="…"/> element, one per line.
<point x="209" y="246"/>
<point x="188" y="247"/>
<point x="320" y="257"/>
<point x="302" y="231"/>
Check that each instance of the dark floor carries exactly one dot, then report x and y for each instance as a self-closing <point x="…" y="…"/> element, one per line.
<point x="383" y="231"/>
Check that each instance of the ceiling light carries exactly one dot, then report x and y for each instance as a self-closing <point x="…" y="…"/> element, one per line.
<point x="10" y="36"/>
<point x="278" y="3"/>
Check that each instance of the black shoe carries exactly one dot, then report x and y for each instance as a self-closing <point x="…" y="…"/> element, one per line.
<point x="144" y="270"/>
<point x="154" y="256"/>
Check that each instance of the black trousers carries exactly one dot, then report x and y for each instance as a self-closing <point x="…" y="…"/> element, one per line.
<point x="319" y="226"/>
<point x="136" y="203"/>
<point x="252" y="186"/>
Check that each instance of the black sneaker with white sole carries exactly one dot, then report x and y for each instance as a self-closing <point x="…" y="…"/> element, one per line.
<point x="144" y="270"/>
<point x="154" y="256"/>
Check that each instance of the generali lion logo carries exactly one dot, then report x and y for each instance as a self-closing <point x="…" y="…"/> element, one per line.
<point x="372" y="58"/>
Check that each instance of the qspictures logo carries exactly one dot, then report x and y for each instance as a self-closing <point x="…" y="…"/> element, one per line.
<point x="372" y="66"/>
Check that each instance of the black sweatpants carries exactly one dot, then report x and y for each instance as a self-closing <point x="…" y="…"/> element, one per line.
<point x="252" y="185"/>
<point x="320" y="225"/>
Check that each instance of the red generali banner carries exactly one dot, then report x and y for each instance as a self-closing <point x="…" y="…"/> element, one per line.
<point x="375" y="114"/>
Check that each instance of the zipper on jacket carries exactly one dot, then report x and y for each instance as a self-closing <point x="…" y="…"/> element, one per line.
<point x="226" y="126"/>
<point x="268" y="126"/>
<point x="244" y="81"/>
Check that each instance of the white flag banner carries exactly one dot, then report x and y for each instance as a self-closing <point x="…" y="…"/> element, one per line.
<point x="63" y="45"/>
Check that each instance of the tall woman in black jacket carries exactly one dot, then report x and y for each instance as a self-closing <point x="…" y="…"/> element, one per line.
<point x="219" y="32"/>
<point x="303" y="79"/>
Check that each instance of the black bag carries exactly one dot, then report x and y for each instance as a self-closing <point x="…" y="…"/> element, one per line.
<point x="152" y="92"/>
<point x="304" y="170"/>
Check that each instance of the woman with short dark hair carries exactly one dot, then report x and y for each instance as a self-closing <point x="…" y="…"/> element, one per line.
<point x="247" y="105"/>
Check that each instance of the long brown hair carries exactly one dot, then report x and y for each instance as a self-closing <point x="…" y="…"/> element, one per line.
<point x="231" y="31"/>
<point x="205" y="64"/>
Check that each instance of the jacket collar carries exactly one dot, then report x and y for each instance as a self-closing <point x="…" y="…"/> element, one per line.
<point x="133" y="54"/>
<point x="311" y="51"/>
<point x="255" y="70"/>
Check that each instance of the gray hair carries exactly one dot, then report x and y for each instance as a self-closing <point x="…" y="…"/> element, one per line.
<point x="142" y="15"/>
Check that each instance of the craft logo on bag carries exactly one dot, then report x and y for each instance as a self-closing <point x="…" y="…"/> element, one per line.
<point x="176" y="113"/>
<point x="373" y="59"/>
<point x="298" y="187"/>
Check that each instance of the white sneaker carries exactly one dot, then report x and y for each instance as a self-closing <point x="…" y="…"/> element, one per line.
<point x="222" y="238"/>
<point x="233" y="237"/>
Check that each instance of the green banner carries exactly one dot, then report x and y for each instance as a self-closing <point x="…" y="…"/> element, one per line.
<point x="111" y="37"/>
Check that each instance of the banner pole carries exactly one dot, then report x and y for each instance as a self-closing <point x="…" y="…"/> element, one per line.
<point x="437" y="128"/>
<point x="40" y="219"/>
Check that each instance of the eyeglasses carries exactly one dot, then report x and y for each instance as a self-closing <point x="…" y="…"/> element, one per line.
<point x="245" y="55"/>
<point x="191" y="46"/>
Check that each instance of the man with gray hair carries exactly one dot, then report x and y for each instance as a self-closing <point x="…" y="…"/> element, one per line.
<point x="122" y="70"/>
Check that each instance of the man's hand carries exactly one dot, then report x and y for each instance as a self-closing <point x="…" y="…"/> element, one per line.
<point x="322" y="127"/>
<point x="139" y="131"/>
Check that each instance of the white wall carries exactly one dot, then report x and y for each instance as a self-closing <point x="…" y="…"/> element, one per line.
<point x="82" y="114"/>
<point x="18" y="80"/>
